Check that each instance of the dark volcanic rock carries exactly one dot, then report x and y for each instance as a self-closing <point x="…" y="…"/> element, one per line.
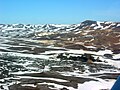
<point x="106" y="75"/>
<point x="64" y="89"/>
<point x="53" y="74"/>
<point x="19" y="87"/>
<point x="76" y="46"/>
<point x="86" y="23"/>
<point x="117" y="51"/>
<point x="109" y="56"/>
<point x="38" y="87"/>
<point x="83" y="58"/>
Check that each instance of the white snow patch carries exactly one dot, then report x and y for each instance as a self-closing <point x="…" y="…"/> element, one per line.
<point x="12" y="29"/>
<point x="116" y="56"/>
<point x="94" y="85"/>
<point x="93" y="25"/>
<point x="104" y="52"/>
<point x="107" y="27"/>
<point x="78" y="32"/>
<point x="54" y="79"/>
<point x="108" y="22"/>
<point x="32" y="85"/>
<point x="99" y="26"/>
<point x="118" y="25"/>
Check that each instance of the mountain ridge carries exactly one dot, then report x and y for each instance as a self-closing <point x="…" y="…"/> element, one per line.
<point x="21" y="30"/>
<point x="90" y="23"/>
<point x="102" y="35"/>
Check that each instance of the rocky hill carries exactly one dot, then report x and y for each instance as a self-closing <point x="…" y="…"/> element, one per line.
<point x="89" y="35"/>
<point x="59" y="57"/>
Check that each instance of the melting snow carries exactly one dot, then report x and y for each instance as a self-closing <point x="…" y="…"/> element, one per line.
<point x="94" y="85"/>
<point x="99" y="26"/>
<point x="118" y="25"/>
<point x="54" y="79"/>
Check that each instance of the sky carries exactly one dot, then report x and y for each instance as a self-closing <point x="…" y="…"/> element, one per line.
<point x="58" y="11"/>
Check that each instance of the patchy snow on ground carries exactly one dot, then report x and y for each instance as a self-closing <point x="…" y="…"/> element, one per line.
<point x="25" y="55"/>
<point x="116" y="56"/>
<point x="53" y="79"/>
<point x="95" y="85"/>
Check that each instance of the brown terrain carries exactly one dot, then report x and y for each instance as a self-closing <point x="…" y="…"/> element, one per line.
<point x="88" y="36"/>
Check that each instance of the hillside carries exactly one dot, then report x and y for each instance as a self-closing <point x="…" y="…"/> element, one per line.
<point x="102" y="35"/>
<point x="59" y="57"/>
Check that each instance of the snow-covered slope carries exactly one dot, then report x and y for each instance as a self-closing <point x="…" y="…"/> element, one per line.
<point x="83" y="56"/>
<point x="22" y="30"/>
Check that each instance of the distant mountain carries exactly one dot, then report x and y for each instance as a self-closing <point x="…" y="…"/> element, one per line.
<point x="88" y="24"/>
<point x="104" y="35"/>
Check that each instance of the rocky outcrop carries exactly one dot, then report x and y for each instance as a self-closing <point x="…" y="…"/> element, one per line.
<point x="75" y="46"/>
<point x="83" y="58"/>
<point x="38" y="87"/>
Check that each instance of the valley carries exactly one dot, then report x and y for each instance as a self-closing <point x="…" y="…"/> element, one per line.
<point x="59" y="57"/>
